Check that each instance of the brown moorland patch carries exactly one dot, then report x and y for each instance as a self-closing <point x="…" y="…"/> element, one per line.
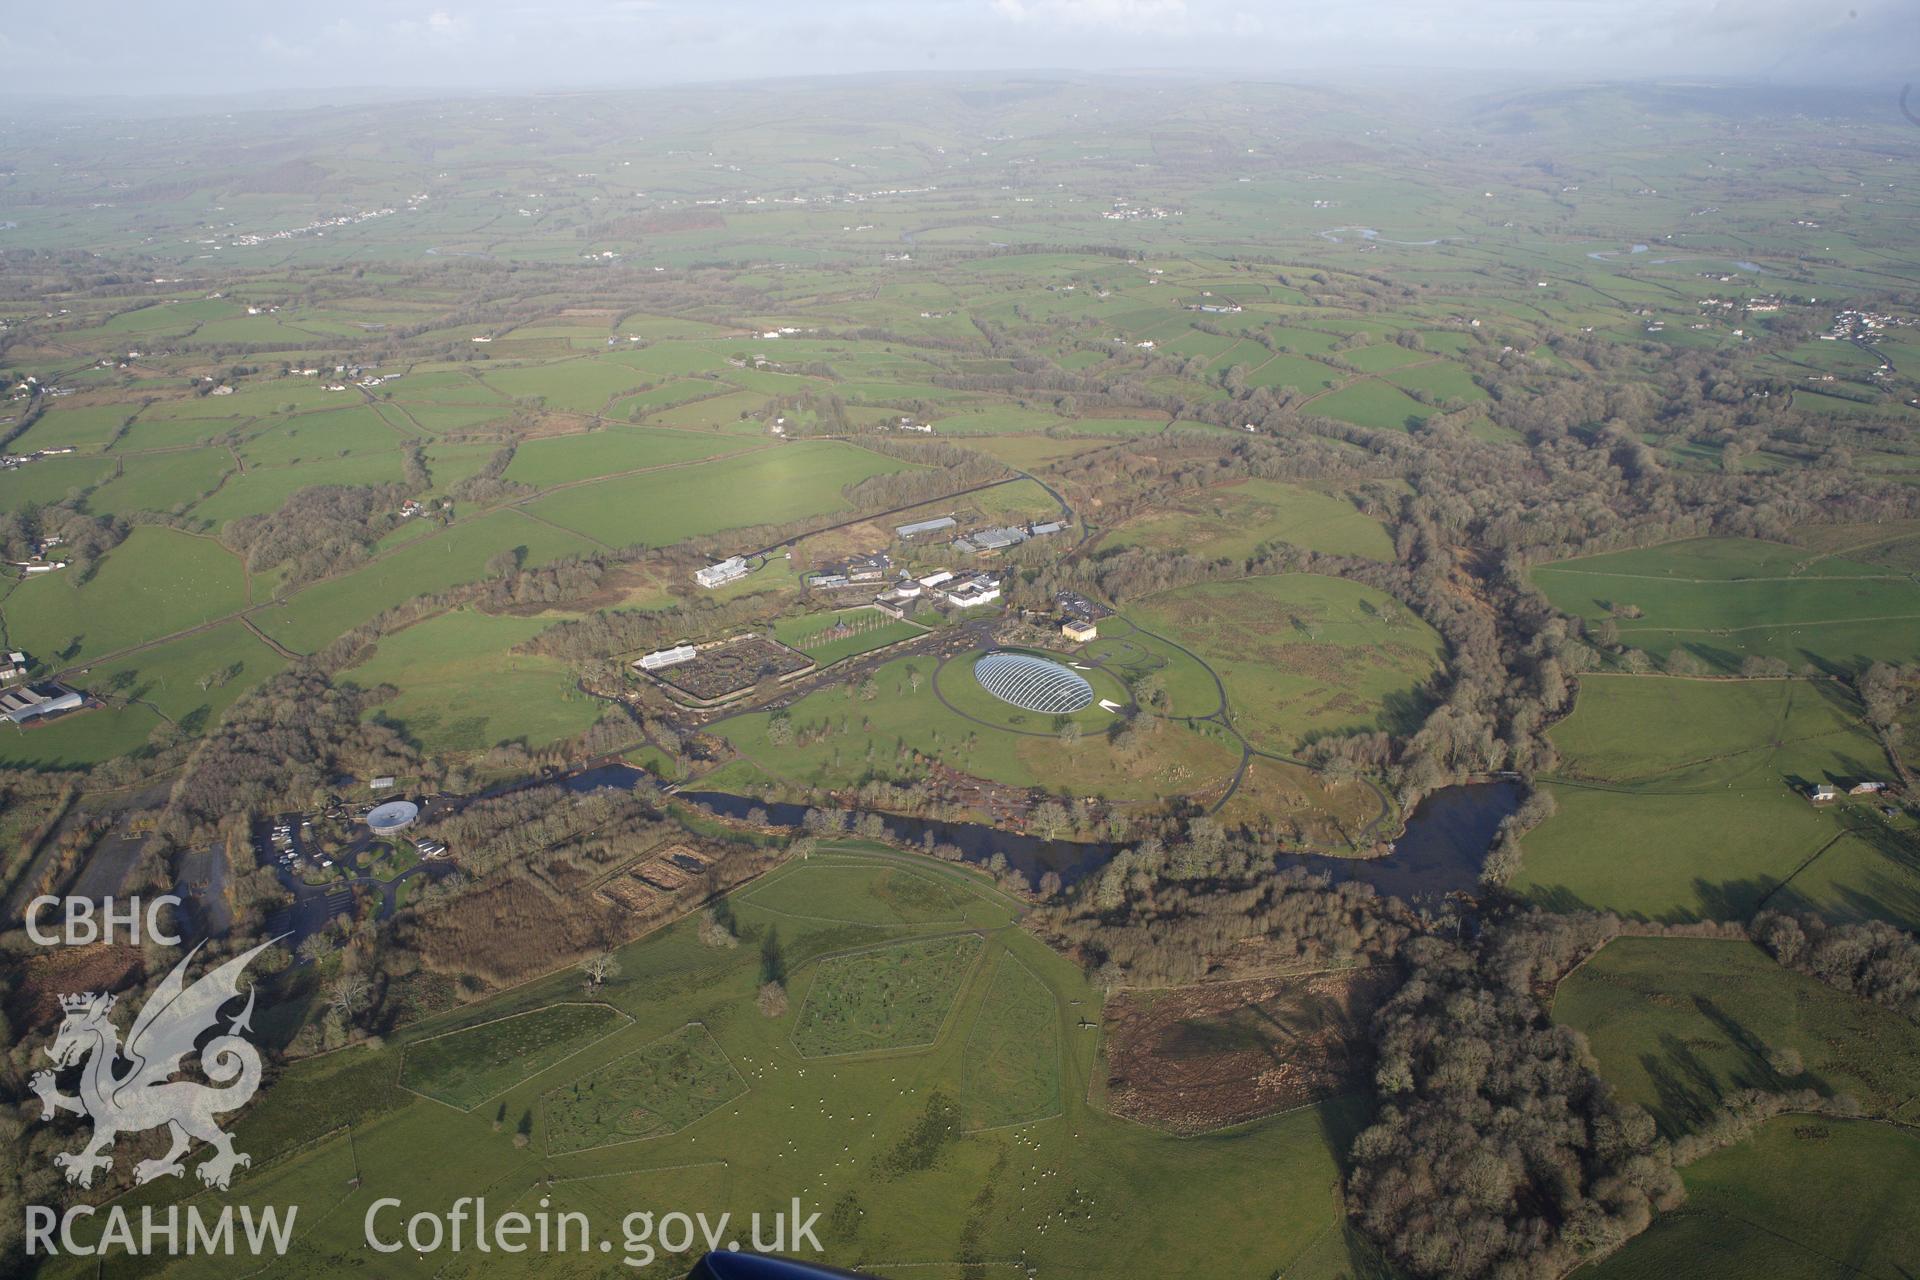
<point x="52" y="972"/>
<point x="1193" y="1059"/>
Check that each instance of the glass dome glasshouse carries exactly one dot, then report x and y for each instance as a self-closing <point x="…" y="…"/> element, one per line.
<point x="1032" y="683"/>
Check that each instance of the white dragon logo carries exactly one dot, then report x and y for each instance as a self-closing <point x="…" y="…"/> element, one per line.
<point x="144" y="1096"/>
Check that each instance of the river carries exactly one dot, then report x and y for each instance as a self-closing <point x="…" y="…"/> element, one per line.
<point x="1368" y="233"/>
<point x="1440" y="852"/>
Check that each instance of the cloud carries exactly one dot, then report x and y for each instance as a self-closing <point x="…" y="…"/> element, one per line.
<point x="1121" y="16"/>
<point x="80" y="46"/>
<point x="442" y="26"/>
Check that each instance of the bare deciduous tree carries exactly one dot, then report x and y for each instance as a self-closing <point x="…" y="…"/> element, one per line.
<point x="599" y="968"/>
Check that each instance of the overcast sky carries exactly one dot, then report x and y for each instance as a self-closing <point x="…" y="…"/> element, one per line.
<point x="113" y="46"/>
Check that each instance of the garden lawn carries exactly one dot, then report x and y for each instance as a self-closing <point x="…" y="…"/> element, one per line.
<point x="827" y="638"/>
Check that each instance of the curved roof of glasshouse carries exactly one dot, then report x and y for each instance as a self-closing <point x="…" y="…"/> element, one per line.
<point x="1032" y="683"/>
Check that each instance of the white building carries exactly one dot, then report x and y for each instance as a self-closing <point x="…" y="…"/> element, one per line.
<point x="24" y="703"/>
<point x="975" y="590"/>
<point x="667" y="657"/>
<point x="732" y="569"/>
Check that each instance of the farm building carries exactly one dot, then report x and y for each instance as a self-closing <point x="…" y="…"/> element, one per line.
<point x="936" y="578"/>
<point x="667" y="657"/>
<point x="26" y="702"/>
<point x="1824" y="793"/>
<point x="1001" y="538"/>
<point x="998" y="539"/>
<point x="870" y="568"/>
<point x="1866" y="788"/>
<point x="857" y="570"/>
<point x="15" y="668"/>
<point x="1079" y="632"/>
<point x="732" y="569"/>
<point x="893" y="601"/>
<point x="921" y="528"/>
<point x="1071" y="604"/>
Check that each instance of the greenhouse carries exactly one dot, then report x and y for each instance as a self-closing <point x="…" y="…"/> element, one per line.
<point x="1032" y="683"/>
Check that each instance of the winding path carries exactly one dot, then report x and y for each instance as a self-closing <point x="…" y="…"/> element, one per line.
<point x="1222" y="715"/>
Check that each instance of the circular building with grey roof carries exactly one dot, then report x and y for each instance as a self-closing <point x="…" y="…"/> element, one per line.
<point x="1033" y="683"/>
<point x="392" y="816"/>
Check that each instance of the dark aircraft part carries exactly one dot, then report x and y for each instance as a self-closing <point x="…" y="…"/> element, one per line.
<point x="720" y="1265"/>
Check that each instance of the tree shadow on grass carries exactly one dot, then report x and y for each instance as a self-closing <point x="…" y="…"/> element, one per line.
<point x="1341" y="1120"/>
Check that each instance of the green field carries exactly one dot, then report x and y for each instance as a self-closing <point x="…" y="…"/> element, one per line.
<point x="162" y="482"/>
<point x="192" y="680"/>
<point x="842" y="742"/>
<point x="892" y="997"/>
<point x="1685" y="799"/>
<point x="1371" y="402"/>
<point x="260" y="490"/>
<point x="1302" y="654"/>
<point x="579" y="385"/>
<point x="1800" y="1200"/>
<point x="881" y="896"/>
<point x="1678" y="1024"/>
<point x="861" y="1139"/>
<point x="76" y="741"/>
<point x="317" y="437"/>
<point x="658" y="1089"/>
<point x="1233" y="521"/>
<point x="462" y="688"/>
<point x="792" y="481"/>
<point x="1725" y="599"/>
<point x="159" y="581"/>
<point x="827" y="638"/>
<point x="610" y="451"/>
<point x="1134" y="656"/>
<point x="312" y="616"/>
<point x="465" y="1068"/>
<point x="1012" y="1073"/>
<point x="51" y="480"/>
<point x="74" y="427"/>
